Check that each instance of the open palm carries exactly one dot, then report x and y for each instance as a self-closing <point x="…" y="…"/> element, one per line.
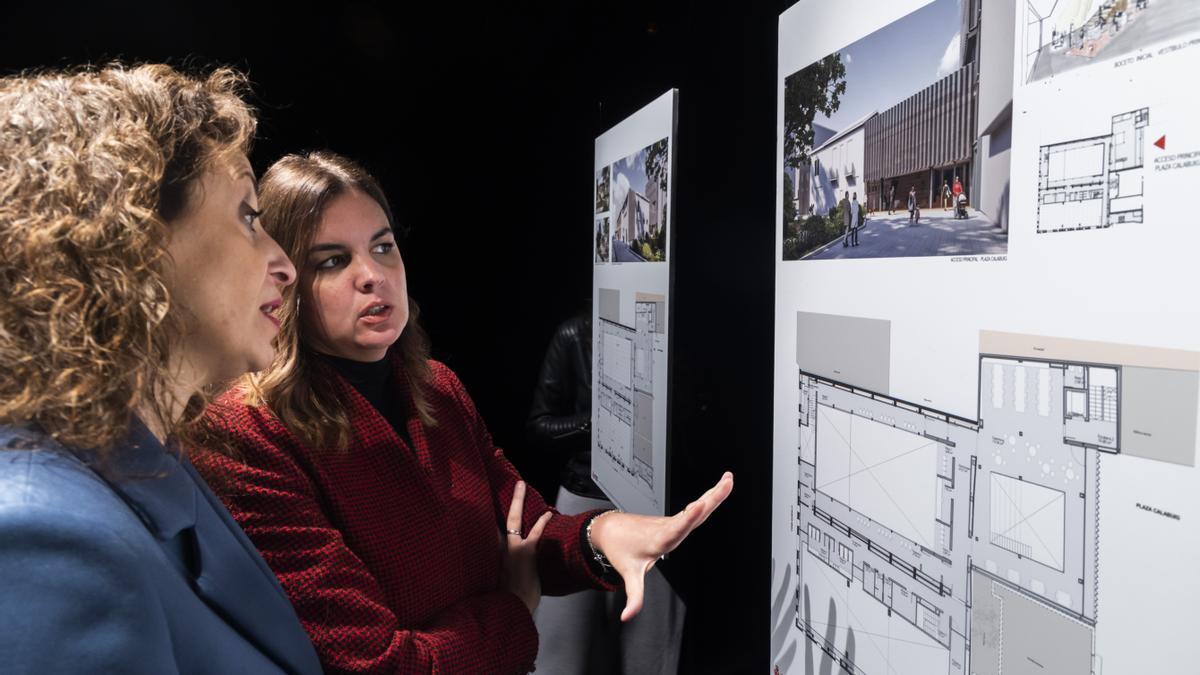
<point x="634" y="543"/>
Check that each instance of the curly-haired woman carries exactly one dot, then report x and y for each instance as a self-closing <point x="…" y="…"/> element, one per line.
<point x="364" y="474"/>
<point x="133" y="275"/>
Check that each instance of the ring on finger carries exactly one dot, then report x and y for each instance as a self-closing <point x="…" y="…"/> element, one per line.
<point x="516" y="532"/>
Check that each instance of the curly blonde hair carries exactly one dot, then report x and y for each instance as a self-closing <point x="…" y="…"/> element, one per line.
<point x="94" y="163"/>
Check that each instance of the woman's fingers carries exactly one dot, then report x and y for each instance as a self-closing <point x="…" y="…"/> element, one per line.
<point x="710" y="500"/>
<point x="536" y="532"/>
<point x="633" y="543"/>
<point x="717" y="493"/>
<point x="635" y="583"/>
<point x="516" y="510"/>
<point x="699" y="511"/>
<point x="681" y="524"/>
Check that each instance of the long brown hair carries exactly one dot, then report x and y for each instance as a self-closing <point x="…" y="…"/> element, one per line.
<point x="293" y="195"/>
<point x="93" y="165"/>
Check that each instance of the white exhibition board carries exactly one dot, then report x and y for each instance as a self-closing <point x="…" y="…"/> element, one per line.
<point x="631" y="224"/>
<point x="985" y="422"/>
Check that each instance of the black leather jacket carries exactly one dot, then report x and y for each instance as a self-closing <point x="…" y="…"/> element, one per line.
<point x="560" y="417"/>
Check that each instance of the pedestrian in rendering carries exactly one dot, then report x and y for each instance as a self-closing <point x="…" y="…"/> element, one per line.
<point x="862" y="221"/>
<point x="855" y="219"/>
<point x="914" y="213"/>
<point x="844" y="205"/>
<point x="947" y="195"/>
<point x="891" y="203"/>
<point x="958" y="188"/>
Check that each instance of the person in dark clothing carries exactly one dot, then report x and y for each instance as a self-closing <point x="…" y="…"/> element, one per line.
<point x="847" y="219"/>
<point x="582" y="632"/>
<point x="561" y="414"/>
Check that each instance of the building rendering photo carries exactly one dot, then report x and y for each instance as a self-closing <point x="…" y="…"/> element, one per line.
<point x="909" y="136"/>
<point x="639" y="189"/>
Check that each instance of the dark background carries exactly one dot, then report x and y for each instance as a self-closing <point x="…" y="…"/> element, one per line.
<point x="479" y="122"/>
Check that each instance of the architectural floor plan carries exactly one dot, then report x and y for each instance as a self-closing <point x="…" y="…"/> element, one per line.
<point x="625" y="388"/>
<point x="1094" y="182"/>
<point x="947" y="544"/>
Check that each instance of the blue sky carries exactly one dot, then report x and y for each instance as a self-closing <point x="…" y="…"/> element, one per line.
<point x="897" y="61"/>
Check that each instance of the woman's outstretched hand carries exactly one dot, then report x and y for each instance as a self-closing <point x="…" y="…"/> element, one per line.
<point x="633" y="543"/>
<point x="520" y="559"/>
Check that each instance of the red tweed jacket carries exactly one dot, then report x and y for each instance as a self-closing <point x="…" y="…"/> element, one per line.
<point x="391" y="554"/>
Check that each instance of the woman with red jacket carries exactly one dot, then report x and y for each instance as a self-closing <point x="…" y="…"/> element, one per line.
<point x="362" y="471"/>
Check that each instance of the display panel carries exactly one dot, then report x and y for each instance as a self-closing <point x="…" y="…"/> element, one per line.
<point x="985" y="424"/>
<point x="630" y="296"/>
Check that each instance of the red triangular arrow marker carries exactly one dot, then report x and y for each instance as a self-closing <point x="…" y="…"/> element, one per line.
<point x="1161" y="143"/>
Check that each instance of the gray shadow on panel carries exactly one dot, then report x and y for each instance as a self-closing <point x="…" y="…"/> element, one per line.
<point x="610" y="304"/>
<point x="1026" y="636"/>
<point x="848" y="349"/>
<point x="1158" y="414"/>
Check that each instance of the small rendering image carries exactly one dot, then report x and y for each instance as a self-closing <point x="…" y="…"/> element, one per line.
<point x="603" y="246"/>
<point x="603" y="183"/>
<point x="1061" y="35"/>
<point x="898" y="145"/>
<point x="639" y="191"/>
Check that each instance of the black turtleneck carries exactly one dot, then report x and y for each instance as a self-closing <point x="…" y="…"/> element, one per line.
<point x="373" y="381"/>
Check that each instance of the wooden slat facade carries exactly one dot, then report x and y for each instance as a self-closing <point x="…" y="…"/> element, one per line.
<point x="932" y="128"/>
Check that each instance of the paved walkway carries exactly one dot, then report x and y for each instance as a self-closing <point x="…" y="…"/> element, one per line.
<point x="938" y="233"/>
<point x="622" y="253"/>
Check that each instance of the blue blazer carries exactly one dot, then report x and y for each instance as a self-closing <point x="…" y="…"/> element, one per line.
<point x="138" y="569"/>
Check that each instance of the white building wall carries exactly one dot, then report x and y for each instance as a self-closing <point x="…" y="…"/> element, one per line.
<point x="641" y="214"/>
<point x="994" y="174"/>
<point x="995" y="111"/>
<point x="623" y="224"/>
<point x="995" y="61"/>
<point x="838" y="169"/>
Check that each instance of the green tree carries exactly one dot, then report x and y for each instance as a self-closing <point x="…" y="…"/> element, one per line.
<point x="656" y="165"/>
<point x="789" y="203"/>
<point x="602" y="183"/>
<point x="817" y="88"/>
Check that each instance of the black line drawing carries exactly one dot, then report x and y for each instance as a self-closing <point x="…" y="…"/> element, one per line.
<point x="980" y="533"/>
<point x="1095" y="182"/>
<point x="625" y="389"/>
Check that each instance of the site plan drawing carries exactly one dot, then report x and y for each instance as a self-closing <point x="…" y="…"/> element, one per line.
<point x="625" y="388"/>
<point x="1094" y="182"/>
<point x="970" y="542"/>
